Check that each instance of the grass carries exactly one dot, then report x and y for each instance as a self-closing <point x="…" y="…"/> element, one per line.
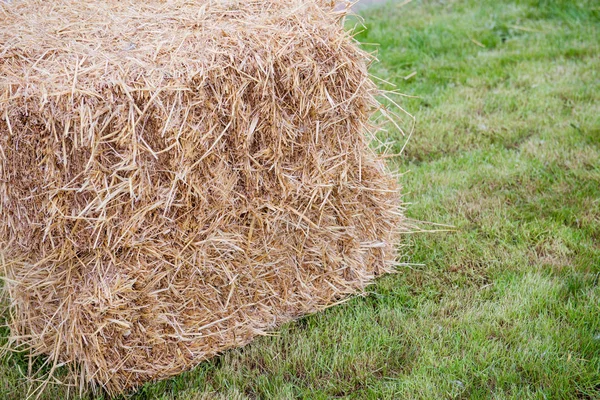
<point x="506" y="149"/>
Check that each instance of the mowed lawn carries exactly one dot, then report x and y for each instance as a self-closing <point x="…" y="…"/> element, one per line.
<point x="507" y="150"/>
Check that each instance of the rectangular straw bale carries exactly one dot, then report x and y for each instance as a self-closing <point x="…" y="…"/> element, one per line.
<point x="177" y="177"/>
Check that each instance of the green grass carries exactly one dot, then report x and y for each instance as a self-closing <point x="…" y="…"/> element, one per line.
<point x="506" y="149"/>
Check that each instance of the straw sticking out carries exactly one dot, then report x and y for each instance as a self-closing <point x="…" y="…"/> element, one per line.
<point x="178" y="177"/>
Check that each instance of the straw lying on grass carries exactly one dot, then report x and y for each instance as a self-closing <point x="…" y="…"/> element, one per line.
<point x="178" y="177"/>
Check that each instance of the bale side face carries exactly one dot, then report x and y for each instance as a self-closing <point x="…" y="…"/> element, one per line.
<point x="179" y="177"/>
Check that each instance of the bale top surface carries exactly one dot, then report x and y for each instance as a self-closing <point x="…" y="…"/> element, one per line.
<point x="55" y="48"/>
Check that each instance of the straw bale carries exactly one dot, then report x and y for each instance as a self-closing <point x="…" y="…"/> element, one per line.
<point x="178" y="177"/>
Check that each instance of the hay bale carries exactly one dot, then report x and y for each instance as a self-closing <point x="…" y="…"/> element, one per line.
<point x="178" y="177"/>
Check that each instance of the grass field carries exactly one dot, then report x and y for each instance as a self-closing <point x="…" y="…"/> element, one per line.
<point x="507" y="150"/>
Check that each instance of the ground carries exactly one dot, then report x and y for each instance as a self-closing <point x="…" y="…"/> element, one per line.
<point x="506" y="149"/>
